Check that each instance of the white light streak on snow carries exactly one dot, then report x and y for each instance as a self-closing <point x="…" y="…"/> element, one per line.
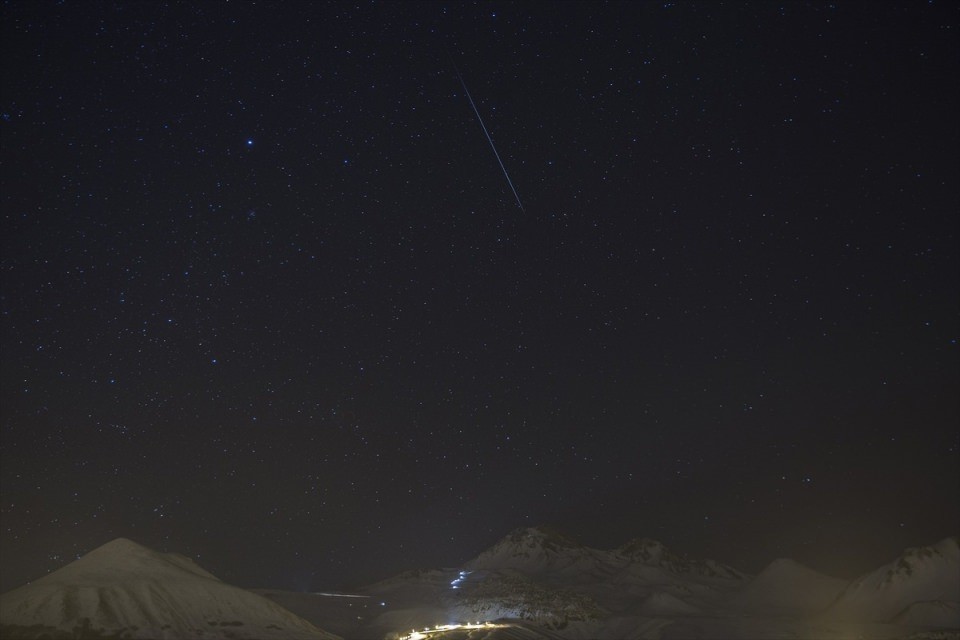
<point x="441" y="628"/>
<point x="455" y="583"/>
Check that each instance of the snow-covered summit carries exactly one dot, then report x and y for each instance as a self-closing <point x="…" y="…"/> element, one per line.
<point x="527" y="540"/>
<point x="125" y="589"/>
<point x="653" y="553"/>
<point x="123" y="558"/>
<point x="786" y="586"/>
<point x="544" y="581"/>
<point x="645" y="550"/>
<point x="531" y="549"/>
<point x="660" y="604"/>
<point x="920" y="574"/>
<point x="540" y="550"/>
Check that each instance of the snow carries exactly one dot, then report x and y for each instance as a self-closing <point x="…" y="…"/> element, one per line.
<point x="547" y="582"/>
<point x="663" y="604"/>
<point x="787" y="587"/>
<point x="535" y="584"/>
<point x="125" y="588"/>
<point x="653" y="553"/>
<point x="920" y="574"/>
<point x="537" y="550"/>
<point x="935" y="613"/>
<point x="541" y="551"/>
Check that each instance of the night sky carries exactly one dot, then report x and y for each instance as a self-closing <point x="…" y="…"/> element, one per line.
<point x="268" y="298"/>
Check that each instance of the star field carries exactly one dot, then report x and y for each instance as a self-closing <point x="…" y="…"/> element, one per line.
<point x="268" y="300"/>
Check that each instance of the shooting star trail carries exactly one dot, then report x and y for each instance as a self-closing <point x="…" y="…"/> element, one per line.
<point x="489" y="139"/>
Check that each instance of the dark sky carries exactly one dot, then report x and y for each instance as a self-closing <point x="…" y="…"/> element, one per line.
<point x="269" y="300"/>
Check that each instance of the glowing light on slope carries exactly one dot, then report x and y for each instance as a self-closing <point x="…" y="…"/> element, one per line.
<point x="455" y="583"/>
<point x="441" y="628"/>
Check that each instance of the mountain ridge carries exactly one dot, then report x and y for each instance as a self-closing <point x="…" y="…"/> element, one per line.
<point x="929" y="573"/>
<point x="122" y="589"/>
<point x="540" y="549"/>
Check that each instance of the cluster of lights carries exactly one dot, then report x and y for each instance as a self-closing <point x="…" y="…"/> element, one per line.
<point x="440" y="628"/>
<point x="455" y="583"/>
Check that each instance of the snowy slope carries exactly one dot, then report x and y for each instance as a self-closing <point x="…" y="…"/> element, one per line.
<point x="663" y="604"/>
<point x="506" y="595"/>
<point x="536" y="550"/>
<point x="540" y="551"/>
<point x="618" y="579"/>
<point x="653" y="553"/>
<point x="542" y="577"/>
<point x="920" y="574"/>
<point x="786" y="586"/>
<point x="536" y="583"/>
<point x="125" y="589"/>
<point x="935" y="613"/>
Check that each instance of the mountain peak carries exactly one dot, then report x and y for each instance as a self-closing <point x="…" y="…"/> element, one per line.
<point x="123" y="559"/>
<point x="530" y="548"/>
<point x="919" y="574"/>
<point x="914" y="558"/>
<point x="123" y="589"/>
<point x="786" y="586"/>
<point x="653" y="552"/>
<point x="541" y="535"/>
<point x="646" y="550"/>
<point x="119" y="546"/>
<point x="785" y="565"/>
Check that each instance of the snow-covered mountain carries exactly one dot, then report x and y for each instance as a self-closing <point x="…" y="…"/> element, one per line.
<point x="125" y="590"/>
<point x="536" y="550"/>
<point x="661" y="604"/>
<point x="653" y="553"/>
<point x="787" y="587"/>
<point x="937" y="613"/>
<point x="539" y="579"/>
<point x="534" y="584"/>
<point x="928" y="574"/>
<point x="544" y="552"/>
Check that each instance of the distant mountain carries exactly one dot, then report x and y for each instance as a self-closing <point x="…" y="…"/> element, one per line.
<point x="543" y="579"/>
<point x="928" y="575"/>
<point x="661" y="604"/>
<point x="787" y="587"/>
<point x="534" y="584"/>
<point x="537" y="583"/>
<point x="653" y="553"/>
<point x="931" y="614"/>
<point x="125" y="590"/>
<point x="540" y="551"/>
<point x="540" y="576"/>
<point x="536" y="550"/>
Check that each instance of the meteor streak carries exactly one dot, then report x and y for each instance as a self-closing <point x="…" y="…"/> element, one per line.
<point x="489" y="139"/>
